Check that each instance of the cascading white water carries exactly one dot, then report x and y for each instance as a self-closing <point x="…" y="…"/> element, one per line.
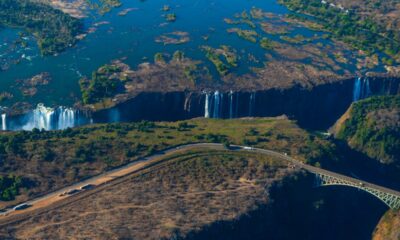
<point x="206" y="106"/>
<point x="221" y="106"/>
<point x="231" y="104"/>
<point x="66" y="118"/>
<point x="366" y="90"/>
<point x="216" y="104"/>
<point x="41" y="118"/>
<point x="46" y="118"/>
<point x="3" y="122"/>
<point x="361" y="89"/>
<point x="357" y="89"/>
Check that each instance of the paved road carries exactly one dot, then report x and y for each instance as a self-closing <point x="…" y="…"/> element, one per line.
<point x="106" y="177"/>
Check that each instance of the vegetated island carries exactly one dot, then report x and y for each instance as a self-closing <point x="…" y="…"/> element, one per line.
<point x="54" y="30"/>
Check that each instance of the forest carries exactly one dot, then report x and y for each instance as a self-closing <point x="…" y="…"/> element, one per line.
<point x="54" y="30"/>
<point x="361" y="32"/>
<point x="373" y="128"/>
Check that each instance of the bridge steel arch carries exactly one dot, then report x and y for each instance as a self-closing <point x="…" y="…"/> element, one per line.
<point x="392" y="200"/>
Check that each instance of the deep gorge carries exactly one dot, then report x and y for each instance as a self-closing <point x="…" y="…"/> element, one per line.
<point x="314" y="108"/>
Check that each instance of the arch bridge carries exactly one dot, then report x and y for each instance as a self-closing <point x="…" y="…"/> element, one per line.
<point x="328" y="178"/>
<point x="390" y="197"/>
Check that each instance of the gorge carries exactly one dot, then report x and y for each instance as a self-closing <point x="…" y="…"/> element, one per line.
<point x="316" y="108"/>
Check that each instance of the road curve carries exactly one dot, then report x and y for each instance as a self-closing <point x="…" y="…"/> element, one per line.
<point x="104" y="178"/>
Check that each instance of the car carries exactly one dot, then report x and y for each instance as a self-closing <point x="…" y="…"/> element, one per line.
<point x="248" y="148"/>
<point x="87" y="186"/>
<point x="21" y="206"/>
<point x="72" y="191"/>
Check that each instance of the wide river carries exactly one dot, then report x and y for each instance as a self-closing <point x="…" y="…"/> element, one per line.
<point x="133" y="38"/>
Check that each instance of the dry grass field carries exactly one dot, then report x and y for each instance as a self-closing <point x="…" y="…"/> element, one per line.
<point x="180" y="195"/>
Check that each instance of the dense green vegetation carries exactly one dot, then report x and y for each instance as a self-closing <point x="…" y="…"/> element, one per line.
<point x="101" y="85"/>
<point x="104" y="6"/>
<point x="249" y="35"/>
<point x="171" y="17"/>
<point x="267" y="43"/>
<point x="222" y="68"/>
<point x="159" y="58"/>
<point x="359" y="31"/>
<point x="53" y="159"/>
<point x="9" y="187"/>
<point x="223" y="58"/>
<point x="53" y="29"/>
<point x="373" y="127"/>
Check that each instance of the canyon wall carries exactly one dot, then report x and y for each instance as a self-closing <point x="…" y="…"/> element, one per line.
<point x="314" y="108"/>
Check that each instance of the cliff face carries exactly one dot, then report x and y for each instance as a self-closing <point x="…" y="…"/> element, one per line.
<point x="325" y="213"/>
<point x="317" y="108"/>
<point x="388" y="227"/>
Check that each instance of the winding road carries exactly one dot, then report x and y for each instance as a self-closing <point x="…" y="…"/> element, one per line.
<point x="105" y="178"/>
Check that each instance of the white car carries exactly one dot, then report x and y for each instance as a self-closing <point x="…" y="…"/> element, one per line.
<point x="21" y="206"/>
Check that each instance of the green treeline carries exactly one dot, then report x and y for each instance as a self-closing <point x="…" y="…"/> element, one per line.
<point x="366" y="131"/>
<point x="101" y="85"/>
<point x="53" y="29"/>
<point x="361" y="32"/>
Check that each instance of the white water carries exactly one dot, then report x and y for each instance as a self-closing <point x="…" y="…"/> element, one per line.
<point x="216" y="104"/>
<point x="41" y="118"/>
<point x="66" y="118"/>
<point x="46" y="118"/>
<point x="221" y="105"/>
<point x="206" y="106"/>
<point x="357" y="90"/>
<point x="361" y="89"/>
<point x="231" y="104"/>
<point x="3" y="122"/>
<point x="367" y="90"/>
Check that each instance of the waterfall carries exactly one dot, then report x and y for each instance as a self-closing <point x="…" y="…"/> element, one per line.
<point x="216" y="104"/>
<point x="41" y="118"/>
<point x="361" y="89"/>
<point x="206" y="106"/>
<point x="3" y="122"/>
<point x="48" y="118"/>
<point x="66" y="118"/>
<point x="357" y="89"/>
<point x="251" y="103"/>
<point x="366" y="90"/>
<point x="231" y="104"/>
<point x="221" y="106"/>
